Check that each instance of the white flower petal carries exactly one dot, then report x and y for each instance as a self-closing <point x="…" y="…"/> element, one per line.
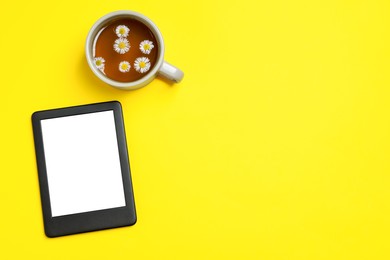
<point x="99" y="62"/>
<point x="124" y="66"/>
<point x="146" y="46"/>
<point x="142" y="64"/>
<point x="122" y="31"/>
<point x="121" y="45"/>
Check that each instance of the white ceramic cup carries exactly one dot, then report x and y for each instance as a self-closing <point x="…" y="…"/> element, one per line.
<point x="161" y="67"/>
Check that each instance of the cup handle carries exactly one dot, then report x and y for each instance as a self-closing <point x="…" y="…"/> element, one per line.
<point x="171" y="72"/>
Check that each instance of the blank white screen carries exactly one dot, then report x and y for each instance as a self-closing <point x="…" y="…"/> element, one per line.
<point x="82" y="163"/>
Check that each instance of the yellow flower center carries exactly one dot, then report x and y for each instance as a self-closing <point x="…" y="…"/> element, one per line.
<point x="122" y="45"/>
<point x="146" y="46"/>
<point x="124" y="66"/>
<point x="122" y="31"/>
<point x="98" y="62"/>
<point x="142" y="64"/>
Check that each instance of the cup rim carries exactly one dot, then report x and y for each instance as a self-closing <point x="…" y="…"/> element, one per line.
<point x="99" y="24"/>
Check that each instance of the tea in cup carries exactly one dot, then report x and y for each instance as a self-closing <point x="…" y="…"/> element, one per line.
<point x="125" y="49"/>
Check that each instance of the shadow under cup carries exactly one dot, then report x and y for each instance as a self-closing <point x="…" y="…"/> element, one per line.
<point x="158" y="68"/>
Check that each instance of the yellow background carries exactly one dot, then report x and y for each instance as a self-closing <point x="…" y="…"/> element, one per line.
<point x="275" y="145"/>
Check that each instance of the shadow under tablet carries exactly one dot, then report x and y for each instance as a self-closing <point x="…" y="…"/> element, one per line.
<point x="83" y="168"/>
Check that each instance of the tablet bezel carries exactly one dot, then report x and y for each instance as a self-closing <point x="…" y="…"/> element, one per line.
<point x="93" y="220"/>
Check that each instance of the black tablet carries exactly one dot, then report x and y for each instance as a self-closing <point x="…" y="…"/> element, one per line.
<point x="83" y="168"/>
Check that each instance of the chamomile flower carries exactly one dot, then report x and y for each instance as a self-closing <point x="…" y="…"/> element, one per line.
<point x="122" y="31"/>
<point x="121" y="45"/>
<point x="124" y="66"/>
<point x="146" y="46"/>
<point x="99" y="62"/>
<point x="142" y="64"/>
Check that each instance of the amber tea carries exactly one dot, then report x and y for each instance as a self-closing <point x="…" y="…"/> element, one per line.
<point x="125" y="50"/>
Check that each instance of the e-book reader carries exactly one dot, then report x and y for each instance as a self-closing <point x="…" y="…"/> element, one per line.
<point x="83" y="168"/>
